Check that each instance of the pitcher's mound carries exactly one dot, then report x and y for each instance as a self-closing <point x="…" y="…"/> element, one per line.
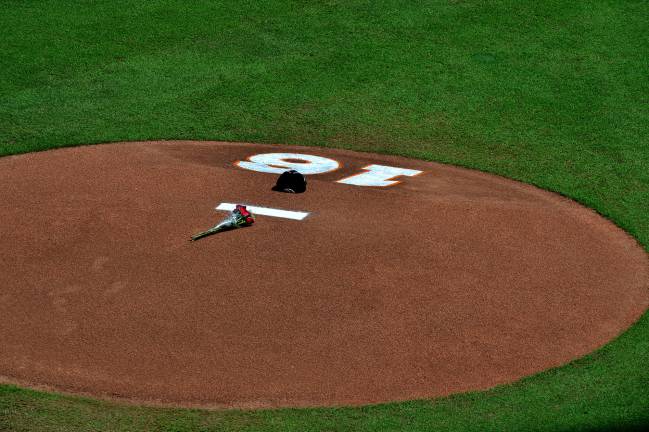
<point x="451" y="280"/>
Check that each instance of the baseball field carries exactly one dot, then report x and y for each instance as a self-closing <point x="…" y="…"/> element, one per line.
<point x="496" y="280"/>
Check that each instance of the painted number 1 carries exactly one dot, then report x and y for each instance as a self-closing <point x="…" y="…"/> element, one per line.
<point x="277" y="163"/>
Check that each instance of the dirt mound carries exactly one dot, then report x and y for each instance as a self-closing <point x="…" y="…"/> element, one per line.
<point x="448" y="281"/>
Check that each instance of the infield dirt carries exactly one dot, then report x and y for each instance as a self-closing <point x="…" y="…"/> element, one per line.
<point x="452" y="280"/>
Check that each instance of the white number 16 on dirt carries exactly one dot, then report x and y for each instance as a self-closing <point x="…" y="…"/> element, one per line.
<point x="277" y="163"/>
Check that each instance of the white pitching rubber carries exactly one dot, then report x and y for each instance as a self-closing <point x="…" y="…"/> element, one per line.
<point x="266" y="211"/>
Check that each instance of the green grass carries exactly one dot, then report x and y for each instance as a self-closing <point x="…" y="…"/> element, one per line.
<point x="553" y="93"/>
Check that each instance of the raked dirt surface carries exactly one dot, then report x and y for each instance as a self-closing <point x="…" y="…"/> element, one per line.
<point x="448" y="281"/>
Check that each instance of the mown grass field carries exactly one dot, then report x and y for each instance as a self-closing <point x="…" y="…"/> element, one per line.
<point x="552" y="93"/>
